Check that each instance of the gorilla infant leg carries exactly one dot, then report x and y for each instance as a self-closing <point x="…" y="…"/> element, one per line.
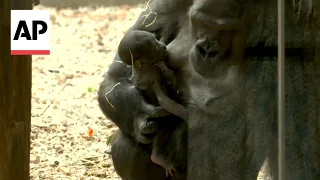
<point x="170" y="148"/>
<point x="132" y="160"/>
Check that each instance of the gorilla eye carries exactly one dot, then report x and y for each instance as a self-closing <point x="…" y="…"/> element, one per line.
<point x="201" y="50"/>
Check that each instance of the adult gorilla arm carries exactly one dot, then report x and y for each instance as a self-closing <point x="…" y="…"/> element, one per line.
<point x="119" y="100"/>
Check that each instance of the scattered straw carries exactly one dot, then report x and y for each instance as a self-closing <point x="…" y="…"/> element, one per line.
<point x="122" y="63"/>
<point x="56" y="97"/>
<point x="132" y="72"/>
<point x="110" y="92"/>
<point x="119" y="82"/>
<point x="147" y="15"/>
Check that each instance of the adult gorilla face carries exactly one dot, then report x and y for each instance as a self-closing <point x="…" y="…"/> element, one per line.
<point x="218" y="30"/>
<point x="209" y="54"/>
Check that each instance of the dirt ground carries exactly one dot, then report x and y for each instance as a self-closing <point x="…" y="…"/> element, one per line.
<point x="64" y="88"/>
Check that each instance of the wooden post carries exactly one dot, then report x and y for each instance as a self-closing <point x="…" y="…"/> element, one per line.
<point x="15" y="101"/>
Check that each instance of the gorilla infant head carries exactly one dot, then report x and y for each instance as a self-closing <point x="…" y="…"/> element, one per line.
<point x="142" y="48"/>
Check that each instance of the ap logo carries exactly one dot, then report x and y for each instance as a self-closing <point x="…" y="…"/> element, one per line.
<point x="30" y="32"/>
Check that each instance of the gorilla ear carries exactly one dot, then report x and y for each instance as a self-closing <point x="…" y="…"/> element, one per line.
<point x="137" y="63"/>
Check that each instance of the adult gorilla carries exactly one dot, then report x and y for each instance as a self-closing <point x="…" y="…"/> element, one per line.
<point x="225" y="69"/>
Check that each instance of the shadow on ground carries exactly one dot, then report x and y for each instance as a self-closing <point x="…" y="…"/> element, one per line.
<point x="80" y="3"/>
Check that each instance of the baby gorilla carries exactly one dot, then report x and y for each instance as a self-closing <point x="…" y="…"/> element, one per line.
<point x="142" y="50"/>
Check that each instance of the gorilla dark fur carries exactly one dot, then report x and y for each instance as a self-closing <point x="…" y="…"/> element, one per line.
<point x="232" y="115"/>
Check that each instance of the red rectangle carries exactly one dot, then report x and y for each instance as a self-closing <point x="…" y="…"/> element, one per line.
<point x="30" y="52"/>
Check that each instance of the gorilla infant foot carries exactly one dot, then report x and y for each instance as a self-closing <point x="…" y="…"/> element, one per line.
<point x="170" y="169"/>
